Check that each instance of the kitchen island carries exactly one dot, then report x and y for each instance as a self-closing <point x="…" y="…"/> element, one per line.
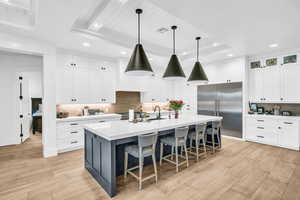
<point x="105" y="143"/>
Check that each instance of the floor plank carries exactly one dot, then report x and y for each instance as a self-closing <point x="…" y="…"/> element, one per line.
<point x="239" y="171"/>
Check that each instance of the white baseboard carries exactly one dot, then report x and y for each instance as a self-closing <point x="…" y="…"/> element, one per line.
<point x="234" y="138"/>
<point x="49" y="152"/>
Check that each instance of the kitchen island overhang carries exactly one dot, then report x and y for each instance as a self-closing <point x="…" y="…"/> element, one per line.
<point x="105" y="143"/>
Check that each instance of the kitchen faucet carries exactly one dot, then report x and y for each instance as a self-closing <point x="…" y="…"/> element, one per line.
<point x="157" y="106"/>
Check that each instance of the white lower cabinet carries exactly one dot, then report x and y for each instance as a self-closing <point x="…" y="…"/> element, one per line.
<point x="70" y="134"/>
<point x="273" y="131"/>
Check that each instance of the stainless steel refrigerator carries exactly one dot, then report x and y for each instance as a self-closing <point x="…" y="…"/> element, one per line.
<point x="223" y="100"/>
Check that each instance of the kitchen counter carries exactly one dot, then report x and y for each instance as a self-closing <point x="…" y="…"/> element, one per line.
<point x="115" y="130"/>
<point x="105" y="143"/>
<point x="275" y="116"/>
<point x="89" y="117"/>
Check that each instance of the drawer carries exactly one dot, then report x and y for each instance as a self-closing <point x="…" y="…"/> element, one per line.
<point x="69" y="132"/>
<point x="74" y="124"/>
<point x="262" y="134"/>
<point x="70" y="142"/>
<point x="261" y="121"/>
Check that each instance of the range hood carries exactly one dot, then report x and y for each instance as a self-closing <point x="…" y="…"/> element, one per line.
<point x="129" y="83"/>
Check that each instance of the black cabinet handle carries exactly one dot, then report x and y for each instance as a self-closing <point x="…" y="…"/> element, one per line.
<point x="74" y="142"/>
<point x="287" y="122"/>
<point x="73" y="124"/>
<point x="259" y="136"/>
<point x="101" y="121"/>
<point x="260" y="127"/>
<point x="260" y="120"/>
<point x="73" y="132"/>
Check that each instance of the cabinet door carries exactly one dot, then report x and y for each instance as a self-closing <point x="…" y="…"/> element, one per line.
<point x="256" y="88"/>
<point x="108" y="84"/>
<point x="81" y="85"/>
<point x="102" y="84"/>
<point x="271" y="84"/>
<point x="64" y="84"/>
<point x="288" y="136"/>
<point x="166" y="90"/>
<point x="153" y="90"/>
<point x="291" y="82"/>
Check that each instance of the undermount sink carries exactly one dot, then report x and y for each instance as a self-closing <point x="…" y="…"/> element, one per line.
<point x="153" y="119"/>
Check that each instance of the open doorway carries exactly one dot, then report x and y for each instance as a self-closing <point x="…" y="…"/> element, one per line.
<point x="20" y="103"/>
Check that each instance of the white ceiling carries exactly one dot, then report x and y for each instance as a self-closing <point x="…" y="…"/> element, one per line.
<point x="240" y="27"/>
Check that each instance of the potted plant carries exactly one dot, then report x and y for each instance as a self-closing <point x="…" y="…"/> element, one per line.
<point x="176" y="105"/>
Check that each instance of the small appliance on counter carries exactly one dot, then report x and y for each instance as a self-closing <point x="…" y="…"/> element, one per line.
<point x="276" y="110"/>
<point x="260" y="110"/>
<point x="61" y="115"/>
<point x="286" y="113"/>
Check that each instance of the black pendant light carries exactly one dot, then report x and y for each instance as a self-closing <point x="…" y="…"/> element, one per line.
<point x="198" y="75"/>
<point x="138" y="63"/>
<point x="174" y="70"/>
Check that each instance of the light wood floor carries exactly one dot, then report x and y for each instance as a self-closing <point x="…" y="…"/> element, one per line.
<point x="240" y="171"/>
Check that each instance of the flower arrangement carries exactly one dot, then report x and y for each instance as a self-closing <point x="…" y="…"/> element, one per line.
<point x="176" y="105"/>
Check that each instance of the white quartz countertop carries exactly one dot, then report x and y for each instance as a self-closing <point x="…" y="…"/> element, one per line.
<point x="115" y="130"/>
<point x="275" y="116"/>
<point x="90" y="117"/>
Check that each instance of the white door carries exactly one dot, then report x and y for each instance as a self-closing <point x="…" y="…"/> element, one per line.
<point x="64" y="83"/>
<point x="81" y="85"/>
<point x="108" y="84"/>
<point x="291" y="82"/>
<point x="256" y="88"/>
<point x="288" y="135"/>
<point x="24" y="111"/>
<point x="102" y="84"/>
<point x="271" y="84"/>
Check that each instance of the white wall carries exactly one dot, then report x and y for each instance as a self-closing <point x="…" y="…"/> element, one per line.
<point x="10" y="64"/>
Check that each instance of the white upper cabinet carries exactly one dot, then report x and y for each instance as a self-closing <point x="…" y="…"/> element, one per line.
<point x="102" y="83"/>
<point x="84" y="81"/>
<point x="225" y="71"/>
<point x="291" y="83"/>
<point x="274" y="79"/>
<point x="157" y="90"/>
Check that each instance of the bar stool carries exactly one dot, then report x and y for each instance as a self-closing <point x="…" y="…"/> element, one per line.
<point x="214" y="131"/>
<point x="145" y="148"/>
<point x="178" y="141"/>
<point x="198" y="136"/>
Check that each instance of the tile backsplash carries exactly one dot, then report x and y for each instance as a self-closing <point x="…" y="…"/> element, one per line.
<point x="124" y="102"/>
<point x="294" y="108"/>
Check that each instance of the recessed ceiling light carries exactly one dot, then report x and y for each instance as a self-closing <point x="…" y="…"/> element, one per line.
<point x="215" y="44"/>
<point x="273" y="45"/>
<point x="123" y="1"/>
<point x="97" y="25"/>
<point x="230" y="55"/>
<point x="184" y="53"/>
<point x="86" y="44"/>
<point x="123" y="52"/>
<point x="15" y="44"/>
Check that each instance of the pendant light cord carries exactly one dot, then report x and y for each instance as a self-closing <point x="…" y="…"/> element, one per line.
<point x="174" y="28"/>
<point x="139" y="29"/>
<point x="173" y="41"/>
<point x="198" y="38"/>
<point x="197" y="50"/>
